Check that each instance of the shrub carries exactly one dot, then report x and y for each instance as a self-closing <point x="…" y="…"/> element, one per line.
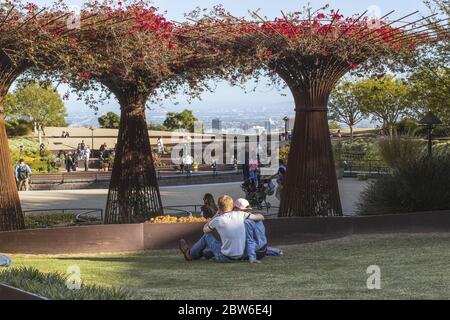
<point x="51" y="220"/>
<point x="19" y="128"/>
<point x="284" y="153"/>
<point x="407" y="127"/>
<point x="397" y="151"/>
<point x="53" y="286"/>
<point x="418" y="185"/>
<point x="440" y="131"/>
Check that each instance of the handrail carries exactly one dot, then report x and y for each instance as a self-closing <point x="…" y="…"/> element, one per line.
<point x="78" y="217"/>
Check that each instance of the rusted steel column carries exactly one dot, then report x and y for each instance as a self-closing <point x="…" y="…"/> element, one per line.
<point x="11" y="217"/>
<point x="133" y="191"/>
<point x="310" y="187"/>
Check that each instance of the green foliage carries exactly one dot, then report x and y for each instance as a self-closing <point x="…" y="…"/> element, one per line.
<point x="111" y="120"/>
<point x="18" y="128"/>
<point x="180" y="120"/>
<point x="37" y="103"/>
<point x="359" y="148"/>
<point x="31" y="155"/>
<point x="398" y="151"/>
<point x="418" y="185"/>
<point x="386" y="99"/>
<point x="157" y="127"/>
<point x="334" y="125"/>
<point x="407" y="126"/>
<point x="344" y="105"/>
<point x="49" y="220"/>
<point x="284" y="153"/>
<point x="53" y="286"/>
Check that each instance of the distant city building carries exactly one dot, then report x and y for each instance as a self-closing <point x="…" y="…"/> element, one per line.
<point x="245" y="127"/>
<point x="216" y="124"/>
<point x="268" y="125"/>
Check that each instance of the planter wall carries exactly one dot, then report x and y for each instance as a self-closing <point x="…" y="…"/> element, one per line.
<point x="11" y="293"/>
<point x="139" y="237"/>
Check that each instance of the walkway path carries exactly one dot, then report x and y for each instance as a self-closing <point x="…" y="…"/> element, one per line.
<point x="171" y="196"/>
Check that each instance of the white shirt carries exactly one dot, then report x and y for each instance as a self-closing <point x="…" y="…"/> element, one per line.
<point x="231" y="228"/>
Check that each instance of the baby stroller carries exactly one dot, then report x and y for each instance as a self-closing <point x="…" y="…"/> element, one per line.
<point x="256" y="192"/>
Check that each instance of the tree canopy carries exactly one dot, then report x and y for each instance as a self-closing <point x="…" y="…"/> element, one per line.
<point x="386" y="99"/>
<point x="37" y="103"/>
<point x="344" y="106"/>
<point x="180" y="120"/>
<point x="110" y="120"/>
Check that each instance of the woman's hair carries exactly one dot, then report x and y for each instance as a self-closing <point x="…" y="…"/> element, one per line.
<point x="209" y="201"/>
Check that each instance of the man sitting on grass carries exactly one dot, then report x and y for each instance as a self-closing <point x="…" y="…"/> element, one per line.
<point x="233" y="237"/>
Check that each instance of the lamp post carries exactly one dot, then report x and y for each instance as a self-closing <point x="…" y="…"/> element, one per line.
<point x="286" y="127"/>
<point x="430" y="120"/>
<point x="92" y="128"/>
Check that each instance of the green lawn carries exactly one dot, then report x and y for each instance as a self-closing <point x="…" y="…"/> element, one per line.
<point x="412" y="266"/>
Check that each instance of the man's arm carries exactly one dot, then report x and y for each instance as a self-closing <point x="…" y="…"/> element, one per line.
<point x="207" y="228"/>
<point x="256" y="217"/>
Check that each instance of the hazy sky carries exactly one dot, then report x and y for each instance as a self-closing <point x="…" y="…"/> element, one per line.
<point x="226" y="96"/>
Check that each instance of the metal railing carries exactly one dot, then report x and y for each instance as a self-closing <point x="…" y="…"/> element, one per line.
<point x="195" y="210"/>
<point x="372" y="168"/>
<point x="86" y="216"/>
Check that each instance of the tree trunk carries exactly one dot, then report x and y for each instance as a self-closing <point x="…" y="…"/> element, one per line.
<point x="11" y="217"/>
<point x="133" y="191"/>
<point x="310" y="187"/>
<point x="351" y="134"/>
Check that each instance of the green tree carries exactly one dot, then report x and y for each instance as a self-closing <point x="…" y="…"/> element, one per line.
<point x="36" y="103"/>
<point x="180" y="120"/>
<point x="431" y="79"/>
<point x="111" y="120"/>
<point x="157" y="127"/>
<point x="385" y="99"/>
<point x="344" y="106"/>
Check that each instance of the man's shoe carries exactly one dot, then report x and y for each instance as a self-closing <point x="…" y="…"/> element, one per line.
<point x="184" y="248"/>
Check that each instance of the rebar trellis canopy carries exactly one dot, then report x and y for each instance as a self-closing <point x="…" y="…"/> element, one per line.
<point x="311" y="52"/>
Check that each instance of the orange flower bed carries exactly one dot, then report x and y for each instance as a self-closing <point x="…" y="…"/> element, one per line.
<point x="172" y="219"/>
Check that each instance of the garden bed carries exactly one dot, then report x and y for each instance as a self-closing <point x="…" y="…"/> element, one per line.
<point x="148" y="236"/>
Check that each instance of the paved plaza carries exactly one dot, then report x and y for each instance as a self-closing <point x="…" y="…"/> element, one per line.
<point x="349" y="189"/>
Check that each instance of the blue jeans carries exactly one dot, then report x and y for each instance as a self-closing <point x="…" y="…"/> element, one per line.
<point x="208" y="246"/>
<point x="256" y="237"/>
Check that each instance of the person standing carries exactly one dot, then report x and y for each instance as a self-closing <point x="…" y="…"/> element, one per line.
<point x="23" y="173"/>
<point x="69" y="162"/>
<point x="86" y="157"/>
<point x="42" y="150"/>
<point x="160" y="145"/>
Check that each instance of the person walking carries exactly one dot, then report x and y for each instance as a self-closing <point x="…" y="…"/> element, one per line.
<point x="160" y="145"/>
<point x="23" y="173"/>
<point x="86" y="157"/>
<point x="42" y="150"/>
<point x="69" y="161"/>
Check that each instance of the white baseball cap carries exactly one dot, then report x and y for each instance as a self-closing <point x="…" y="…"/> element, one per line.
<point x="242" y="204"/>
<point x="5" y="261"/>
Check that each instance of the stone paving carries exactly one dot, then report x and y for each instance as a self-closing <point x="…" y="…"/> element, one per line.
<point x="171" y="196"/>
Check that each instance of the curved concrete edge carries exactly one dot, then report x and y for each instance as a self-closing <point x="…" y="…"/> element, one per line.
<point x="11" y="293"/>
<point x="140" y="237"/>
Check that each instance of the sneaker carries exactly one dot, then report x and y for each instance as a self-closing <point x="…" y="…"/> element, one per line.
<point x="184" y="248"/>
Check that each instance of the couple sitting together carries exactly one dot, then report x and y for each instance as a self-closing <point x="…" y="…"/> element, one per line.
<point x="242" y="235"/>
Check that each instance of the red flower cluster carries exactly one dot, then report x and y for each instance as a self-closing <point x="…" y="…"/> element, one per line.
<point x="85" y="75"/>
